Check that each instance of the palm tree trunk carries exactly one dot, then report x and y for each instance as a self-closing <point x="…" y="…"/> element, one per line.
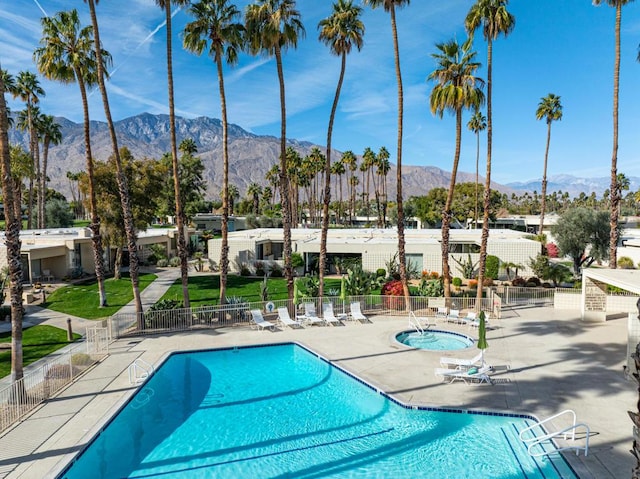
<point x="284" y="179"/>
<point x="327" y="179"/>
<point x="224" y="253"/>
<point x="615" y="194"/>
<point x="12" y="241"/>
<point x="484" y="240"/>
<point x="475" y="216"/>
<point x="122" y="179"/>
<point x="401" y="241"/>
<point x="32" y="151"/>
<point x="180" y="219"/>
<point x="544" y="180"/>
<point x="94" y="225"/>
<point x="43" y="181"/>
<point x="446" y="215"/>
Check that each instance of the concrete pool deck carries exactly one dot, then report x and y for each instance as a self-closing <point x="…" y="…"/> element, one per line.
<point x="546" y="361"/>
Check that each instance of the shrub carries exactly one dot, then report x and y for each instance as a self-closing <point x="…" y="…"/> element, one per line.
<point x="162" y="263"/>
<point x="492" y="267"/>
<point x="297" y="261"/>
<point x="276" y="271"/>
<point x="552" y="250"/>
<point x="259" y="266"/>
<point x="174" y="262"/>
<point x="487" y="282"/>
<point x="381" y="273"/>
<point x="244" y="270"/>
<point x="81" y="359"/>
<point x="393" y="288"/>
<point x="457" y="282"/>
<point x="533" y="281"/>
<point x="518" y="281"/>
<point x="624" y="262"/>
<point x="434" y="275"/>
<point x="473" y="284"/>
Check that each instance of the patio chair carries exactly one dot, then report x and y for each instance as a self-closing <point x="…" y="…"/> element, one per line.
<point x="311" y="315"/>
<point x="285" y="319"/>
<point x="328" y="316"/>
<point x="441" y="314"/>
<point x="462" y="363"/>
<point x="46" y="275"/>
<point x="476" y="322"/>
<point x="454" y="316"/>
<point x="470" y="317"/>
<point x="356" y="312"/>
<point x="468" y="376"/>
<point x="259" y="322"/>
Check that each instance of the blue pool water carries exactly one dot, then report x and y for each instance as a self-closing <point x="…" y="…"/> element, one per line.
<point x="434" y="340"/>
<point x="280" y="411"/>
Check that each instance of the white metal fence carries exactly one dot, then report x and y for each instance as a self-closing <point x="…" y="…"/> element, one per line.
<point x="20" y="397"/>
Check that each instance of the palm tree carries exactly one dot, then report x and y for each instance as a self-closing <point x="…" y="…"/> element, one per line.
<point x="233" y="194"/>
<point x="11" y="239"/>
<point x="349" y="159"/>
<point x="550" y="109"/>
<point x="340" y="31"/>
<point x="494" y="19"/>
<point x="123" y="187"/>
<point x="615" y="198"/>
<point x="337" y="170"/>
<point x="390" y="6"/>
<point x="272" y="27"/>
<point x="28" y="89"/>
<point x="216" y="22"/>
<point x="384" y="166"/>
<point x="476" y="124"/>
<point x="67" y="55"/>
<point x="183" y="254"/>
<point x="253" y="192"/>
<point x="21" y="168"/>
<point x="51" y="135"/>
<point x="456" y="88"/>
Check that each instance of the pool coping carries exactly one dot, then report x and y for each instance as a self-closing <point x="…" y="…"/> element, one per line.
<point x="394" y="340"/>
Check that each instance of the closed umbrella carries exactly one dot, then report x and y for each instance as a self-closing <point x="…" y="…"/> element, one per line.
<point x="343" y="289"/>
<point x="482" y="334"/>
<point x="296" y="293"/>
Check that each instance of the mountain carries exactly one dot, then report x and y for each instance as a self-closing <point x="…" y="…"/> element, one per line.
<point x="250" y="156"/>
<point x="573" y="185"/>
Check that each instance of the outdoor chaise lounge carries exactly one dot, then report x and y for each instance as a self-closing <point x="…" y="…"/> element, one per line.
<point x="454" y="316"/>
<point x="356" y="312"/>
<point x="311" y="315"/>
<point x="470" y="317"/>
<point x="476" y="322"/>
<point x="468" y="376"/>
<point x="259" y="322"/>
<point x="285" y="319"/>
<point x="328" y="316"/>
<point x="442" y="314"/>
<point x="462" y="363"/>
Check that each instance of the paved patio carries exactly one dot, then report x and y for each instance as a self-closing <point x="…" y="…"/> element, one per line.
<point x="545" y="360"/>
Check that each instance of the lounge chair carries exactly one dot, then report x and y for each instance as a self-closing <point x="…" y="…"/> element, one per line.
<point x="356" y="313"/>
<point x="454" y="316"/>
<point x="468" y="376"/>
<point x="462" y="363"/>
<point x="310" y="314"/>
<point x="470" y="317"/>
<point x="476" y="322"/>
<point x="259" y="322"/>
<point x="285" y="319"/>
<point x="328" y="316"/>
<point x="442" y="314"/>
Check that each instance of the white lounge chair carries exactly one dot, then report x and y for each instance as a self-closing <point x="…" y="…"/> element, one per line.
<point x="356" y="312"/>
<point x="454" y="316"/>
<point x="468" y="376"/>
<point x="285" y="319"/>
<point x="259" y="322"/>
<point x="471" y="316"/>
<point x="328" y="316"/>
<point x="441" y="314"/>
<point x="311" y="315"/>
<point x="462" y="363"/>
<point x="476" y="322"/>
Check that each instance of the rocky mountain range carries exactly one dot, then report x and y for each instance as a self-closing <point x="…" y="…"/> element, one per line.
<point x="251" y="156"/>
<point x="573" y="185"/>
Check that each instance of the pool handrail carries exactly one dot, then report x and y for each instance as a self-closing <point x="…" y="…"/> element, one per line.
<point x="414" y="322"/>
<point x="567" y="433"/>
<point x="139" y="371"/>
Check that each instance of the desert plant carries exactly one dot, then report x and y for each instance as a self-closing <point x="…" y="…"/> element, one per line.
<point x="467" y="267"/>
<point x="539" y="265"/>
<point x="162" y="263"/>
<point x="297" y="261"/>
<point x="457" y="282"/>
<point x="264" y="289"/>
<point x="259" y="267"/>
<point x="431" y="288"/>
<point x="244" y="270"/>
<point x="381" y="272"/>
<point x="199" y="264"/>
<point x="359" y="282"/>
<point x="276" y="270"/>
<point x="174" y="262"/>
<point x="311" y="285"/>
<point x="81" y="359"/>
<point x="492" y="267"/>
<point x="624" y="262"/>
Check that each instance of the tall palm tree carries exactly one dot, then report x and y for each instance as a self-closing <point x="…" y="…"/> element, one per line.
<point x="384" y="166"/>
<point x="28" y="89"/>
<point x="337" y="170"/>
<point x="51" y="135"/>
<point x="216" y="21"/>
<point x="183" y="254"/>
<point x="254" y="191"/>
<point x="340" y="31"/>
<point x="21" y="168"/>
<point x="550" y="109"/>
<point x="494" y="19"/>
<point x="476" y="124"/>
<point x="350" y="161"/>
<point x="11" y="239"/>
<point x="272" y="27"/>
<point x="456" y="88"/>
<point x="615" y="198"/>
<point x="366" y="167"/>
<point x="390" y="7"/>
<point x="68" y="55"/>
<point x="123" y="187"/>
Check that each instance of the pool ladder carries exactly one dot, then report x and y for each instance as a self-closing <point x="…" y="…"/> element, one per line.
<point x="567" y="433"/>
<point x="414" y="322"/>
<point x="139" y="371"/>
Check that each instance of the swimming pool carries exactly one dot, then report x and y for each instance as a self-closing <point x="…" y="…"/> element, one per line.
<point x="280" y="411"/>
<point x="434" y="340"/>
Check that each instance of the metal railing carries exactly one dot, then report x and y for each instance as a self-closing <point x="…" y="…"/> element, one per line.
<point x="216" y="316"/>
<point x="21" y="396"/>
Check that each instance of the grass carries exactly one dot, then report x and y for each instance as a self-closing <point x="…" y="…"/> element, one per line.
<point x="205" y="290"/>
<point x="37" y="342"/>
<point x="82" y="300"/>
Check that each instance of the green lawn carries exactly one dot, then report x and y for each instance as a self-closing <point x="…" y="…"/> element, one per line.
<point x="205" y="290"/>
<point x="82" y="300"/>
<point x="37" y="342"/>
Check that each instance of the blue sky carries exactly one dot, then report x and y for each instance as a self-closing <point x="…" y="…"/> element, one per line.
<point x="564" y="47"/>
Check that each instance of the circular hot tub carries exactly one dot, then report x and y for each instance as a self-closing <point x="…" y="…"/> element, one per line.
<point x="434" y="340"/>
